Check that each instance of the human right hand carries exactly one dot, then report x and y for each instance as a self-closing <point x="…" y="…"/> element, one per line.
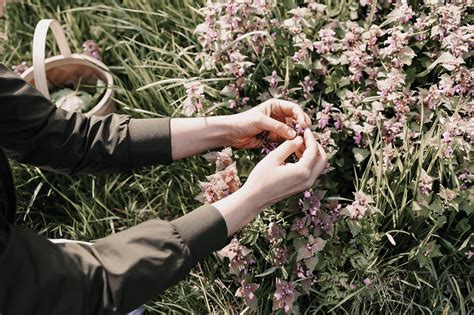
<point x="273" y="180"/>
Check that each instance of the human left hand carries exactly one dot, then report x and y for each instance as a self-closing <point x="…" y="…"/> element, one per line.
<point x="270" y="116"/>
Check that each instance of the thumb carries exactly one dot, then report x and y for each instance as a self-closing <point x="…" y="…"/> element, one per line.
<point x="277" y="127"/>
<point x="285" y="149"/>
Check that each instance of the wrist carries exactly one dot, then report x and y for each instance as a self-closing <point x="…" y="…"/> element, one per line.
<point x="252" y="199"/>
<point x="239" y="209"/>
<point x="219" y="130"/>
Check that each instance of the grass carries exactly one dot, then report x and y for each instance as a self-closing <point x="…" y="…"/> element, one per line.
<point x="150" y="47"/>
<point x="142" y="42"/>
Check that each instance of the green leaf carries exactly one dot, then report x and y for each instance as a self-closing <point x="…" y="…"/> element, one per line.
<point x="360" y="154"/>
<point x="311" y="263"/>
<point x="267" y="272"/>
<point x="354" y="226"/>
<point x="71" y="100"/>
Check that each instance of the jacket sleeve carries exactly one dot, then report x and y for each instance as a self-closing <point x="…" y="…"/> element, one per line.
<point x="115" y="275"/>
<point x="35" y="131"/>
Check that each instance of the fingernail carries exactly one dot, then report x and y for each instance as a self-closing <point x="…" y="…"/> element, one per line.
<point x="292" y="133"/>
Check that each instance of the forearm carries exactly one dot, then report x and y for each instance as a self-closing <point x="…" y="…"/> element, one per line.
<point x="35" y="132"/>
<point x="119" y="272"/>
<point x="190" y="136"/>
<point x="239" y="209"/>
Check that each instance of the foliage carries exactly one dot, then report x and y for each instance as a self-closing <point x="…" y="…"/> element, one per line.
<point x="389" y="89"/>
<point x="387" y="229"/>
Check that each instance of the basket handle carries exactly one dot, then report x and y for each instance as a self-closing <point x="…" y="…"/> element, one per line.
<point x="39" y="47"/>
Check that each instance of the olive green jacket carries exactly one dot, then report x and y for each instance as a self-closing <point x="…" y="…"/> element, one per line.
<point x="118" y="273"/>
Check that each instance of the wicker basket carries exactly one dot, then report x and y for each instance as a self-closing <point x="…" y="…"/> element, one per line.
<point x="67" y="68"/>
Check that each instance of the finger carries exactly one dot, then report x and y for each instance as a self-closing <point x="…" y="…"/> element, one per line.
<point x="277" y="127"/>
<point x="321" y="162"/>
<point x="289" y="109"/>
<point x="310" y="155"/>
<point x="299" y="152"/>
<point x="287" y="148"/>
<point x="308" y="120"/>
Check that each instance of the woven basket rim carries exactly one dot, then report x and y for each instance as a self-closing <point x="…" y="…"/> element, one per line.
<point x="84" y="60"/>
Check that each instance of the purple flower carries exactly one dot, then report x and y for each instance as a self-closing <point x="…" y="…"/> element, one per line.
<point x="222" y="159"/>
<point x="394" y="80"/>
<point x="357" y="138"/>
<point x="20" y="68"/>
<point x="308" y="87"/>
<point x="247" y="291"/>
<point x="273" y="79"/>
<point x="430" y="98"/>
<point x="367" y="282"/>
<point x="91" y="48"/>
<point x="323" y="222"/>
<point x="360" y="206"/>
<point x="323" y="120"/>
<point x="426" y="183"/>
<point x="326" y="42"/>
<point x="240" y="257"/>
<point x="269" y="147"/>
<point x="284" y="296"/>
<point x="195" y="97"/>
<point x="275" y="233"/>
<point x="300" y="226"/>
<point x="403" y="13"/>
<point x="237" y="64"/>
<point x="220" y="185"/>
<point x="280" y="256"/>
<point x="310" y="248"/>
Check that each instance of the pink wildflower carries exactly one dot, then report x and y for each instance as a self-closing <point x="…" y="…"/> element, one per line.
<point x="220" y="185"/>
<point x="367" y="282"/>
<point x="91" y="49"/>
<point x="194" y="99"/>
<point x="280" y="256"/>
<point x="20" y="68"/>
<point x="326" y="42"/>
<point x="426" y="183"/>
<point x="240" y="256"/>
<point x="247" y="291"/>
<point x="403" y="13"/>
<point x="394" y="80"/>
<point x="360" y="206"/>
<point x="284" y="296"/>
<point x="300" y="225"/>
<point x="222" y="159"/>
<point x="310" y="248"/>
<point x="275" y="233"/>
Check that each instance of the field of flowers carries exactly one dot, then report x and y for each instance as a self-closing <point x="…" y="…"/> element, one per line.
<point x="387" y="229"/>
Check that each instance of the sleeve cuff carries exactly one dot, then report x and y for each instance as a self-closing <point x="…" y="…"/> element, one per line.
<point x="204" y="231"/>
<point x="150" y="142"/>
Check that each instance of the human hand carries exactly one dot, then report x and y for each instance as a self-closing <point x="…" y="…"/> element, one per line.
<point x="270" y="116"/>
<point x="273" y="180"/>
